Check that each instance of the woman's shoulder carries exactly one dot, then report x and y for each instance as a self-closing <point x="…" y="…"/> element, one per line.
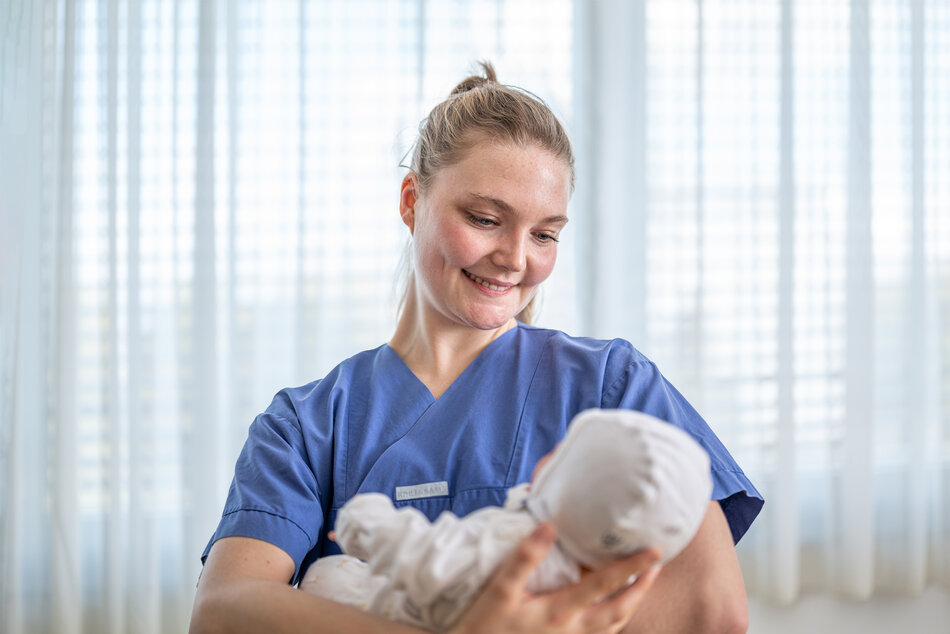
<point x="336" y="383"/>
<point x="560" y="343"/>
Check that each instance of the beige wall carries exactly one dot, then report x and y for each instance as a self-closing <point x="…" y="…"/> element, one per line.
<point x="927" y="614"/>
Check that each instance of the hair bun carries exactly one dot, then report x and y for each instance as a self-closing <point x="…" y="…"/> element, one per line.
<point x="474" y="81"/>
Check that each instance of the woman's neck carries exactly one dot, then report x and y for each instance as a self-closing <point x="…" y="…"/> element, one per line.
<point x="436" y="350"/>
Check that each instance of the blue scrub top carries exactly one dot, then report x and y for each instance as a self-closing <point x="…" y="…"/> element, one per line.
<point x="371" y="426"/>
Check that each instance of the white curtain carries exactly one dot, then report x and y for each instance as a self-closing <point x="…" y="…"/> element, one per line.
<point x="199" y="208"/>
<point x="769" y="186"/>
<point x="198" y="202"/>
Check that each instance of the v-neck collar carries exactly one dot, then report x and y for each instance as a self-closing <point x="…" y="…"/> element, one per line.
<point x="398" y="361"/>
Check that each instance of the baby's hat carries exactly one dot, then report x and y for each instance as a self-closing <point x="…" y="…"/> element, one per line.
<point x="621" y="481"/>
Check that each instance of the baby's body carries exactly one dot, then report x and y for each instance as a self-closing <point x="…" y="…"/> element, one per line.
<point x="401" y="566"/>
<point x="440" y="565"/>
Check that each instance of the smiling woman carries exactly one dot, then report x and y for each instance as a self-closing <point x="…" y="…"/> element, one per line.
<point x="462" y="403"/>
<point x="499" y="116"/>
<point x="483" y="235"/>
<point x="177" y="245"/>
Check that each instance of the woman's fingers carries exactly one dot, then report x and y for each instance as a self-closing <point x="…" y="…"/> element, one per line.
<point x="600" y="602"/>
<point x="512" y="575"/>
<point x="502" y="605"/>
<point x="614" y="613"/>
<point x="595" y="586"/>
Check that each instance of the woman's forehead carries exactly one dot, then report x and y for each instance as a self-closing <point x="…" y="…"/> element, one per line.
<point x="490" y="168"/>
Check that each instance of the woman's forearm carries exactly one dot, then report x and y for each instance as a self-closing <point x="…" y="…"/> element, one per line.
<point x="244" y="588"/>
<point x="255" y="605"/>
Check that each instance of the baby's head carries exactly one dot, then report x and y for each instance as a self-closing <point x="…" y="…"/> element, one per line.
<point x="621" y="481"/>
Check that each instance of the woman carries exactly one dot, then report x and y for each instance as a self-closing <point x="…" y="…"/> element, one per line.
<point x="461" y="404"/>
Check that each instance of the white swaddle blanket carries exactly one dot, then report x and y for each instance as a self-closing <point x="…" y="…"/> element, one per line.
<point x="618" y="482"/>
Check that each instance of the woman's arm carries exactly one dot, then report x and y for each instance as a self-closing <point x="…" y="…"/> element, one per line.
<point x="701" y="589"/>
<point x="244" y="587"/>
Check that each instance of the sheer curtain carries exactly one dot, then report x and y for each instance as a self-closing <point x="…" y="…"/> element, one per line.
<point x="198" y="202"/>
<point x="199" y="208"/>
<point x="770" y="222"/>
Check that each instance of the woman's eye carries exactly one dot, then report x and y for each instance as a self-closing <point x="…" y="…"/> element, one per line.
<point x="547" y="237"/>
<point x="483" y="222"/>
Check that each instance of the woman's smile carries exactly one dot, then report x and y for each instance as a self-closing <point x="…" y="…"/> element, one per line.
<point x="493" y="287"/>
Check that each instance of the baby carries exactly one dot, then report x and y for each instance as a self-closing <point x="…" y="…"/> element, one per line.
<point x="620" y="481"/>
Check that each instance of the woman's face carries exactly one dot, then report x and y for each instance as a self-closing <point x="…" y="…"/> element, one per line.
<point x="485" y="232"/>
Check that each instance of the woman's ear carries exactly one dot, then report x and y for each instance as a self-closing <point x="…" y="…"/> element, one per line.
<point x="408" y="195"/>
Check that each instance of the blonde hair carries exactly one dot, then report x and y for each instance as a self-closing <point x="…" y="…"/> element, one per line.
<point x="479" y="109"/>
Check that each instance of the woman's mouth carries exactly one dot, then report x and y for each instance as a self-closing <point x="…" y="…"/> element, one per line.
<point x="486" y="284"/>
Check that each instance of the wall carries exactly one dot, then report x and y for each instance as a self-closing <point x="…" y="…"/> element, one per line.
<point x="925" y="614"/>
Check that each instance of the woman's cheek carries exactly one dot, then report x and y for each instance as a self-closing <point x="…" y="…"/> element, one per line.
<point x="466" y="247"/>
<point x="542" y="267"/>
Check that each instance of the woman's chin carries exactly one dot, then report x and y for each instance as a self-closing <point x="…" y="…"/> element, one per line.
<point x="492" y="321"/>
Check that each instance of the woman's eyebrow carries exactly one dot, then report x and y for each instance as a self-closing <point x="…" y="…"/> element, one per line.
<point x="501" y="205"/>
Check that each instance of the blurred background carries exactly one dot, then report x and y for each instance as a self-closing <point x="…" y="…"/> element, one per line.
<point x="199" y="207"/>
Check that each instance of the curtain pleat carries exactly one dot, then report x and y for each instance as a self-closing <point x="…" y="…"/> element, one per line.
<point x="916" y="334"/>
<point x="65" y="563"/>
<point x="782" y="536"/>
<point x="113" y="533"/>
<point x="612" y="168"/>
<point x="201" y="444"/>
<point x="142" y="611"/>
<point x="853" y="554"/>
<point x="19" y="238"/>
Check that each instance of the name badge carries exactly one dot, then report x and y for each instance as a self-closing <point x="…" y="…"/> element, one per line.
<point x="425" y="490"/>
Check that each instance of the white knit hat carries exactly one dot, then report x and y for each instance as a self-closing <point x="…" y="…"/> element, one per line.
<point x="621" y="481"/>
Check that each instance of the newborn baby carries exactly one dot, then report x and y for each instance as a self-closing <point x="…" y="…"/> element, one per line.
<point x="620" y="481"/>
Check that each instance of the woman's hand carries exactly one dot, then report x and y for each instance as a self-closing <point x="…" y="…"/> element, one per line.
<point x="600" y="602"/>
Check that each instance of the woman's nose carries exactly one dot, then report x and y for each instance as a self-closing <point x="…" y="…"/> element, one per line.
<point x="511" y="254"/>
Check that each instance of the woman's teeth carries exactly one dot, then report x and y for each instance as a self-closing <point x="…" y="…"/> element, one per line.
<point x="487" y="285"/>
